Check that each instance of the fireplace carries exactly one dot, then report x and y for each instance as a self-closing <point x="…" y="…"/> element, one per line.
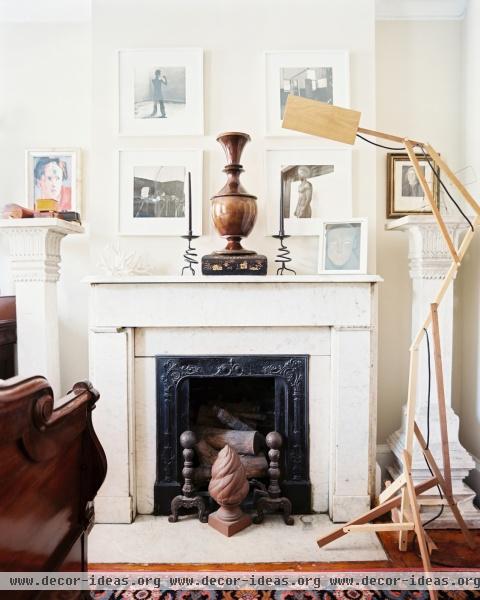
<point x="269" y="392"/>
<point x="330" y="319"/>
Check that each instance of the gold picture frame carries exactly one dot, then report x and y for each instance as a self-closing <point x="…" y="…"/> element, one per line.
<point x="404" y="193"/>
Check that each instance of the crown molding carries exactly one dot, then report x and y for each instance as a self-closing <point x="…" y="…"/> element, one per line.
<point x="420" y="10"/>
<point x="51" y="11"/>
<point x="45" y="11"/>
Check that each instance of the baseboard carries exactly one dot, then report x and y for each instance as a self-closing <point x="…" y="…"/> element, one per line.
<point x="473" y="480"/>
<point x="113" y="509"/>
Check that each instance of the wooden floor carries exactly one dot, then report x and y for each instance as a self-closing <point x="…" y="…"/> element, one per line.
<point x="452" y="553"/>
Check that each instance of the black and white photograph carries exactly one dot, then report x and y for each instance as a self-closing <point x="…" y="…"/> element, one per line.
<point x="405" y="195"/>
<point x="160" y="91"/>
<point x="322" y="75"/>
<point x="343" y="247"/>
<point x="153" y="192"/>
<point x="302" y="190"/>
<point x="307" y="186"/>
<point x="158" y="192"/>
<point x="314" y="83"/>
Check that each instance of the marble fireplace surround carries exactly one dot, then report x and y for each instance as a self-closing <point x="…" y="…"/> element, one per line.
<point x="330" y="318"/>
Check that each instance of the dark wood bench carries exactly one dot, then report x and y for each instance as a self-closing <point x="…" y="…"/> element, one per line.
<point x="8" y="336"/>
<point x="51" y="467"/>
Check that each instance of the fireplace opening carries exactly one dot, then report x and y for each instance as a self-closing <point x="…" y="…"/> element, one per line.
<point x="238" y="400"/>
<point x="251" y="399"/>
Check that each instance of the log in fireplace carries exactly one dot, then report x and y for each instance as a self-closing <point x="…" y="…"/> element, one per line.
<point x="232" y="397"/>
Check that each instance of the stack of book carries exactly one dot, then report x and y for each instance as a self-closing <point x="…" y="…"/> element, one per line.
<point x="44" y="208"/>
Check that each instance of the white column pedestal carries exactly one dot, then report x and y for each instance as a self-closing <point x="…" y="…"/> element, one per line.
<point x="429" y="262"/>
<point x="34" y="251"/>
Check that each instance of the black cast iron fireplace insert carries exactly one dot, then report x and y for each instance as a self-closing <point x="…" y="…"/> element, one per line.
<point x="278" y="383"/>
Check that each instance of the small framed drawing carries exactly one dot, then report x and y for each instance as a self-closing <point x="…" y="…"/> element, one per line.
<point x="153" y="192"/>
<point x="404" y="193"/>
<point x="343" y="246"/>
<point x="314" y="185"/>
<point x="160" y="91"/>
<point x="321" y="75"/>
<point x="54" y="174"/>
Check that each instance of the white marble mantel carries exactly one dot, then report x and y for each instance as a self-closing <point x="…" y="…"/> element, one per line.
<point x="330" y="318"/>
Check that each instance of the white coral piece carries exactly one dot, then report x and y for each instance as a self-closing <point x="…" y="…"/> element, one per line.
<point x="115" y="261"/>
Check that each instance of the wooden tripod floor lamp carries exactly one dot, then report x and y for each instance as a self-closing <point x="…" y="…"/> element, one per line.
<point x="342" y="125"/>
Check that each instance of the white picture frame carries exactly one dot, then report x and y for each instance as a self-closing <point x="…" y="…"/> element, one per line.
<point x="153" y="188"/>
<point x="160" y="91"/>
<point x="54" y="174"/>
<point x="331" y="188"/>
<point x="327" y="71"/>
<point x="343" y="247"/>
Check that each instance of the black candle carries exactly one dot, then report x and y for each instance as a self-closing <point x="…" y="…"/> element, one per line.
<point x="189" y="203"/>
<point x="282" y="230"/>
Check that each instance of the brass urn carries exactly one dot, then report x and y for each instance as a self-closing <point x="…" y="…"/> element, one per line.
<point x="234" y="210"/>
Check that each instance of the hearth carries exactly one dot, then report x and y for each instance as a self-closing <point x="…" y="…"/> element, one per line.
<point x="263" y="392"/>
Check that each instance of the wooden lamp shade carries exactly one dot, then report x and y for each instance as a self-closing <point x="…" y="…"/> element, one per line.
<point x="321" y="119"/>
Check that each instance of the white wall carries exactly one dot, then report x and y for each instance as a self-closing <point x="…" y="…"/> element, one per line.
<point x="418" y="90"/>
<point x="45" y="102"/>
<point x="47" y="72"/>
<point x="469" y="276"/>
<point x="234" y="40"/>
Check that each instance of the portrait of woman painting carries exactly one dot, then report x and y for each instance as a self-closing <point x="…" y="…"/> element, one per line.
<point x="53" y="175"/>
<point x="343" y="247"/>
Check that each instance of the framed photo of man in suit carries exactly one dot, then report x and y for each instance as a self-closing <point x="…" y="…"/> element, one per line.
<point x="405" y="195"/>
<point x="160" y="91"/>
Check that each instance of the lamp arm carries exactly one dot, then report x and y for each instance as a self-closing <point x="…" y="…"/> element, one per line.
<point x="453" y="178"/>
<point x="449" y="277"/>
<point x="431" y="200"/>
<point x="388" y="136"/>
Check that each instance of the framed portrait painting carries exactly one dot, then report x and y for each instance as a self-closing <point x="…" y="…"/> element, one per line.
<point x="405" y="195"/>
<point x="160" y="91"/>
<point x="306" y="187"/>
<point x="153" y="192"/>
<point x="54" y="174"/>
<point x="343" y="247"/>
<point x="320" y="75"/>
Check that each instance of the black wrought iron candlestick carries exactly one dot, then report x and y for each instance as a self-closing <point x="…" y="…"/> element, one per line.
<point x="190" y="255"/>
<point x="272" y="499"/>
<point x="283" y="256"/>
<point x="188" y="499"/>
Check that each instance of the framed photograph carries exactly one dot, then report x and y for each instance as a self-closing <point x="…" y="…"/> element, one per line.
<point x="404" y="193"/>
<point x="315" y="185"/>
<point x="153" y="192"/>
<point x="54" y="174"/>
<point x="322" y="75"/>
<point x="343" y="246"/>
<point x="160" y="91"/>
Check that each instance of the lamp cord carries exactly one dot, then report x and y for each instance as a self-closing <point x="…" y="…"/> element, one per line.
<point x="444" y="187"/>
<point x="379" y="145"/>
<point x="437" y="176"/>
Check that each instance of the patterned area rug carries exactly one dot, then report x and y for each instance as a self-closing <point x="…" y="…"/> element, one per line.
<point x="280" y="595"/>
